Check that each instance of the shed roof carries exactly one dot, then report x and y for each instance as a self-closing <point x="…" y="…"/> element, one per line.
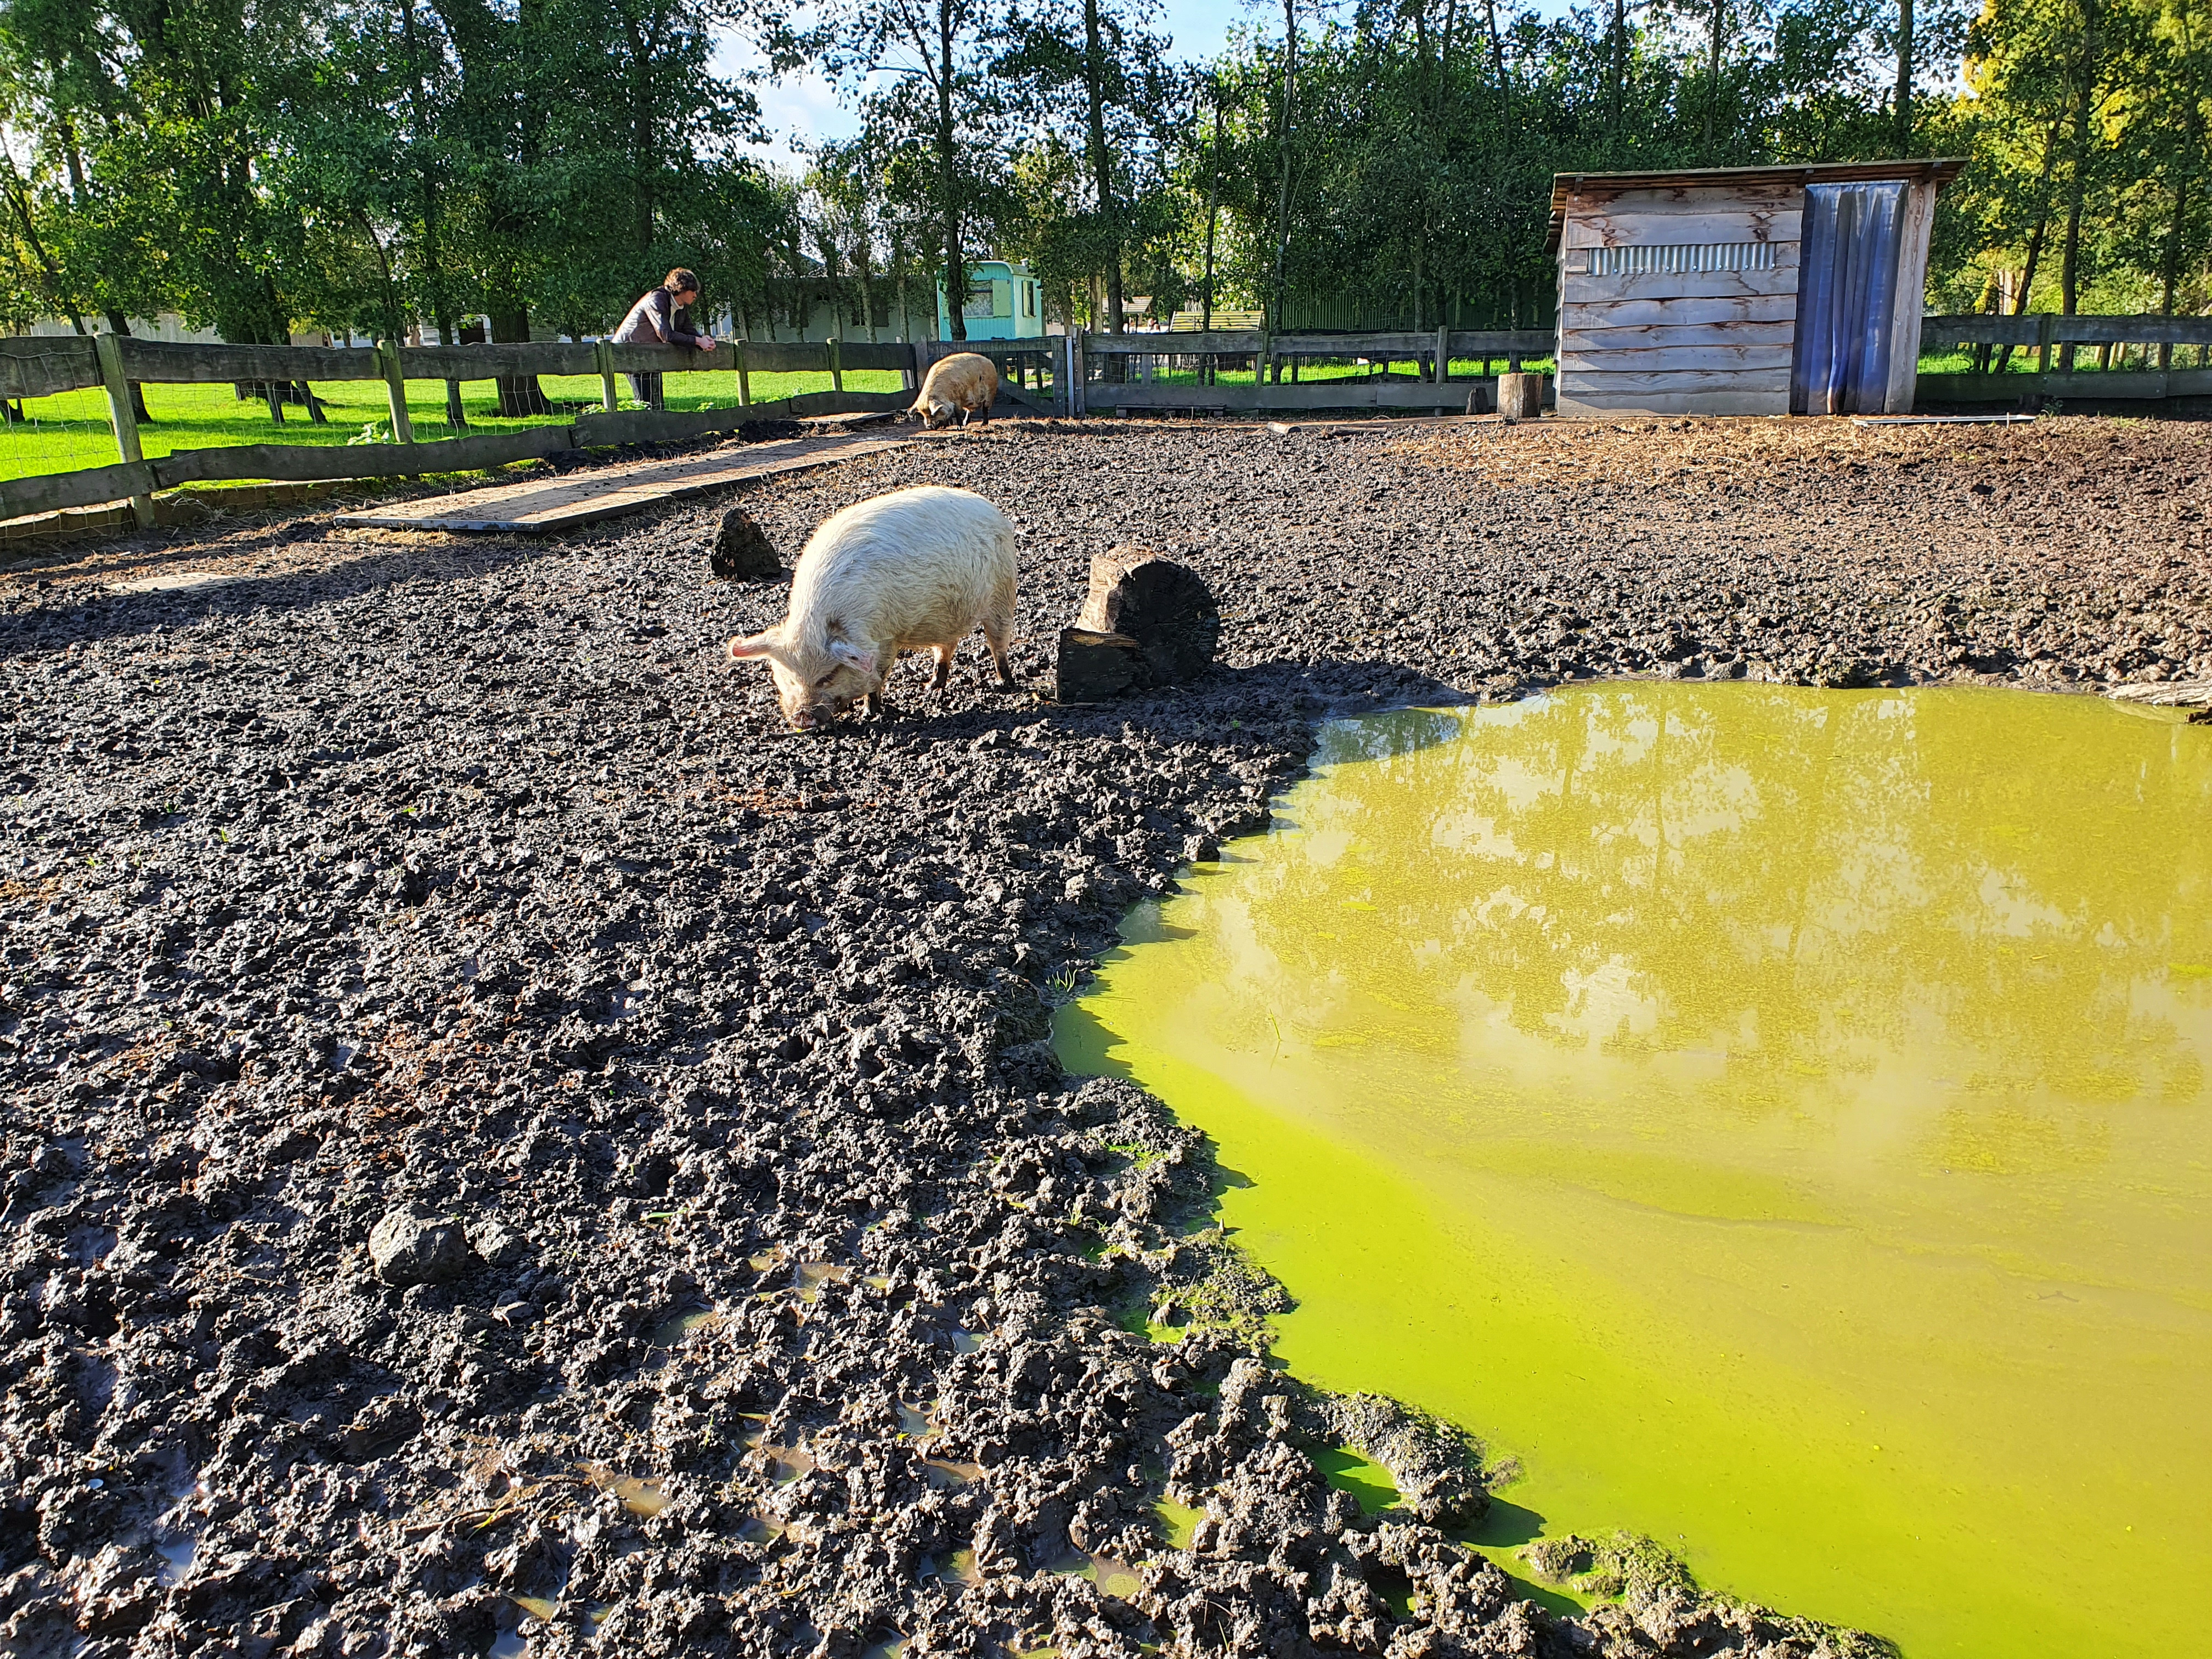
<point x="1939" y="171"/>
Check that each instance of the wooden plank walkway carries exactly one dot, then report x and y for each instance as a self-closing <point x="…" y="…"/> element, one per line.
<point x="581" y="498"/>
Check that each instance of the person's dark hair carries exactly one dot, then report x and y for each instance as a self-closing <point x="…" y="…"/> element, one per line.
<point x="680" y="281"/>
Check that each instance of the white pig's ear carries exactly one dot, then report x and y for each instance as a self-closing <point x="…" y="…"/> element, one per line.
<point x="764" y="644"/>
<point x="852" y="656"/>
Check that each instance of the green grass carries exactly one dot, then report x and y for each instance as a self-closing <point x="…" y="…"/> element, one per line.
<point x="62" y="433"/>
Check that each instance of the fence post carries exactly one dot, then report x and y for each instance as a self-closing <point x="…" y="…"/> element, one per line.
<point x="395" y="387"/>
<point x="2046" y="330"/>
<point x="745" y="377"/>
<point x="836" y="367"/>
<point x="123" y="419"/>
<point x="1444" y="353"/>
<point x="610" y="400"/>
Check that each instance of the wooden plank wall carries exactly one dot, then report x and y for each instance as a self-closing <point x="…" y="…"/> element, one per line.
<point x="1686" y="343"/>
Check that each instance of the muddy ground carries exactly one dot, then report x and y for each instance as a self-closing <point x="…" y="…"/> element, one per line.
<point x="440" y="911"/>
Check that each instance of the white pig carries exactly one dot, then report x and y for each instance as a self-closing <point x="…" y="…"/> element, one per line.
<point x="964" y="382"/>
<point x="915" y="569"/>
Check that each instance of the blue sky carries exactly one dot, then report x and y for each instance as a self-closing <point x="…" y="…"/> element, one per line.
<point x="803" y="107"/>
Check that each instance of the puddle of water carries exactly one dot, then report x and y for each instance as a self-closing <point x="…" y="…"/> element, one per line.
<point x="959" y="1567"/>
<point x="507" y="1644"/>
<point x="812" y="1276"/>
<point x="914" y="1422"/>
<point x="176" y="1555"/>
<point x="758" y="1529"/>
<point x="1177" y="1522"/>
<point x="1778" y="1118"/>
<point x="1368" y="1482"/>
<point x="538" y="1607"/>
<point x="672" y="1332"/>
<point x="645" y="1496"/>
<point x="944" y="1474"/>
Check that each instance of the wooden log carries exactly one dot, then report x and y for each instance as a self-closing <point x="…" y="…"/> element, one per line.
<point x="91" y="486"/>
<point x="742" y="551"/>
<point x="1093" y="666"/>
<point x="395" y="391"/>
<point x="124" y="421"/>
<point x="1163" y="606"/>
<point x="44" y="365"/>
<point x="313" y="461"/>
<point x="1521" y="396"/>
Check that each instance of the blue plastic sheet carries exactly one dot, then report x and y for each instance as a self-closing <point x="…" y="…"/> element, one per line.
<point x="1846" y="298"/>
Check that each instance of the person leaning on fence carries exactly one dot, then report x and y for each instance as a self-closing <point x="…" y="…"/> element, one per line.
<point x="662" y="316"/>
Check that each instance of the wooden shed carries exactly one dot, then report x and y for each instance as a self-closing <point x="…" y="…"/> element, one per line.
<point x="1784" y="290"/>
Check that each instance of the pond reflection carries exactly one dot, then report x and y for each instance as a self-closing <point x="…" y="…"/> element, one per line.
<point x="1779" y="1116"/>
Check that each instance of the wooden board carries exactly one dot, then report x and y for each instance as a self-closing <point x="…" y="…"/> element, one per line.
<point x="1611" y="405"/>
<point x="1676" y="312"/>
<point x="1581" y="289"/>
<point x="40" y="365"/>
<point x="303" y="461"/>
<point x="490" y="362"/>
<point x="563" y="503"/>
<point x="1675" y="360"/>
<point x="2007" y="388"/>
<point x="1762" y="379"/>
<point x="1678" y="336"/>
<point x="1684" y="199"/>
<point x="1103" y="397"/>
<point x="1631" y="229"/>
<point x="91" y="486"/>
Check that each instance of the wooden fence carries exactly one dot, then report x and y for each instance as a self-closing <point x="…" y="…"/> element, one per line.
<point x="1084" y="374"/>
<point x="1117" y="372"/>
<point x="42" y="366"/>
<point x="2055" y="341"/>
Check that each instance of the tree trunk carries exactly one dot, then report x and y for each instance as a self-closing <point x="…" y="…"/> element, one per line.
<point x="1904" y="77"/>
<point x="518" y="394"/>
<point x="2172" y="272"/>
<point x="2035" y="239"/>
<point x="956" y="264"/>
<point x="1212" y="215"/>
<point x="1713" y="70"/>
<point x="2077" y="186"/>
<point x="1283" y="192"/>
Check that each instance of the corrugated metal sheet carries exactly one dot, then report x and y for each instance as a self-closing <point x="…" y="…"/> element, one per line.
<point x="1674" y="257"/>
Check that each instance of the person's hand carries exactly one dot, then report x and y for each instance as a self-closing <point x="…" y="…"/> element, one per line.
<point x="706" y="342"/>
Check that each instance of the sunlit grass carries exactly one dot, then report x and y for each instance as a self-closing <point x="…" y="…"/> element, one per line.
<point x="62" y="434"/>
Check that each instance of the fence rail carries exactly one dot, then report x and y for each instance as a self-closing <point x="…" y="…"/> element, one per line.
<point x="2053" y="339"/>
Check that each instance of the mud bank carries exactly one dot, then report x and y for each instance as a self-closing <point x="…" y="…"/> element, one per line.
<point x="456" y="878"/>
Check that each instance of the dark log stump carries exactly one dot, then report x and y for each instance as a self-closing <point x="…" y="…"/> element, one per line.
<point x="1163" y="606"/>
<point x="1095" y="665"/>
<point x="742" y="551"/>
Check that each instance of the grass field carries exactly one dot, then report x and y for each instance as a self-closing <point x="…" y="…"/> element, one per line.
<point x="64" y="432"/>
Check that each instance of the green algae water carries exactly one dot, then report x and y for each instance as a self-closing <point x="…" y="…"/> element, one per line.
<point x="1779" y="1120"/>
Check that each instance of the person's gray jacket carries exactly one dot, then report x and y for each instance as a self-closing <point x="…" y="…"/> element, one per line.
<point x="657" y="319"/>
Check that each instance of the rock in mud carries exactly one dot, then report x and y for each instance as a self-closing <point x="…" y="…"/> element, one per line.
<point x="408" y="1248"/>
<point x="1166" y="607"/>
<point x="742" y="551"/>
